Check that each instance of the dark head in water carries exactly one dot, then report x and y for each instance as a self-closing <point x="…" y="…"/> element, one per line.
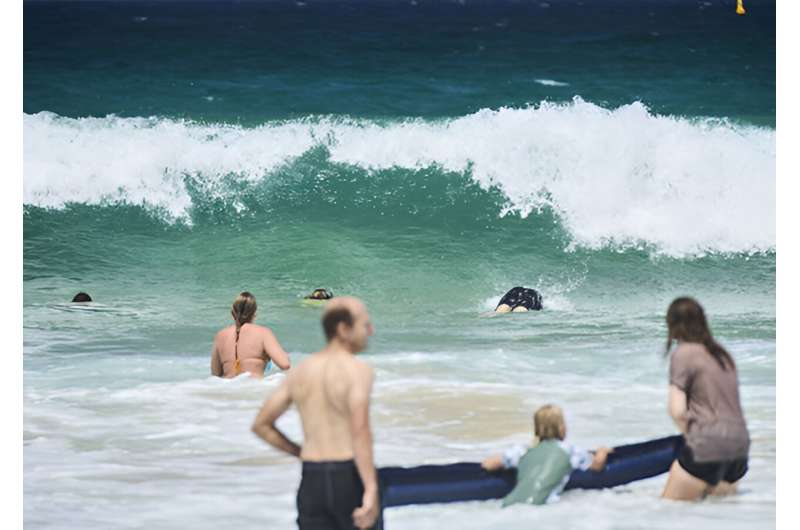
<point x="82" y="297"/>
<point x="686" y="321"/>
<point x="520" y="299"/>
<point x="320" y="294"/>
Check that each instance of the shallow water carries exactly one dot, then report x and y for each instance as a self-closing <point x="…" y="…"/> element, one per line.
<point x="163" y="181"/>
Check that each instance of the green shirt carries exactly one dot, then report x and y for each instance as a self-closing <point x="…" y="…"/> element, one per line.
<point x="540" y="471"/>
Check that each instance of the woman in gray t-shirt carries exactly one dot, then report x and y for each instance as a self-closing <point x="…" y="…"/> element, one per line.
<point x="704" y="403"/>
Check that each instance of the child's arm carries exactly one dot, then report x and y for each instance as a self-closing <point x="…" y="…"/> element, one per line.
<point x="509" y="459"/>
<point x="599" y="458"/>
<point x="493" y="463"/>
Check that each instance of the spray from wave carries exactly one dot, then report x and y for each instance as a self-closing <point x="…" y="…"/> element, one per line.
<point x="613" y="178"/>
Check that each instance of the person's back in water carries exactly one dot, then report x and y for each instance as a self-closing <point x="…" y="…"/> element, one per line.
<point x="520" y="299"/>
<point x="245" y="346"/>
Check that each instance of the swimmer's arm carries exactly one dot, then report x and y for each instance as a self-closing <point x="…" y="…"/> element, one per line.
<point x="216" y="362"/>
<point x="264" y="424"/>
<point x="493" y="463"/>
<point x="678" y="408"/>
<point x="276" y="351"/>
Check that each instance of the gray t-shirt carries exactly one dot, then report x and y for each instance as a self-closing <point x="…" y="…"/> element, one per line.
<point x="716" y="426"/>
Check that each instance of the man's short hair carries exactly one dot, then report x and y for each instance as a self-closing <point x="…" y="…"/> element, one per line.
<point x="332" y="318"/>
<point x="81" y="297"/>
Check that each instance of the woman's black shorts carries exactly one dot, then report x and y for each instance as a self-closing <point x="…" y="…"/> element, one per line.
<point x="712" y="472"/>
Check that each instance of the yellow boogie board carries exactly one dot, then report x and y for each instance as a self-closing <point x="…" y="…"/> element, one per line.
<point x="312" y="303"/>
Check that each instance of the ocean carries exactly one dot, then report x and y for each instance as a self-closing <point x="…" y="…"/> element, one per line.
<point x="423" y="156"/>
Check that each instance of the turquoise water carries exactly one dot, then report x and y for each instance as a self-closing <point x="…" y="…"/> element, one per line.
<point x="425" y="158"/>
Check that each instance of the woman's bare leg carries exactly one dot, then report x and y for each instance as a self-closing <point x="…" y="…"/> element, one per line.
<point x="681" y="486"/>
<point x="724" y="488"/>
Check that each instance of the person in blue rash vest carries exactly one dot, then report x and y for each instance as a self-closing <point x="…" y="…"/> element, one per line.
<point x="544" y="469"/>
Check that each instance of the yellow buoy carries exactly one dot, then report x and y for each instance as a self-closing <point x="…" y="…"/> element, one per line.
<point x="739" y="8"/>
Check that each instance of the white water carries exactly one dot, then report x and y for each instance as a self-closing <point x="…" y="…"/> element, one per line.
<point x="615" y="177"/>
<point x="167" y="448"/>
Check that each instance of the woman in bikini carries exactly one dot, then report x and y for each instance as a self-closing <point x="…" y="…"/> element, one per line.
<point x="245" y="346"/>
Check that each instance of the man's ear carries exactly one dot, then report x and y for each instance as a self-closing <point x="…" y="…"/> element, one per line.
<point x="341" y="329"/>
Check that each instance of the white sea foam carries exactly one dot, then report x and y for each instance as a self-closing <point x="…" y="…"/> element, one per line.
<point x="614" y="177"/>
<point x="550" y="82"/>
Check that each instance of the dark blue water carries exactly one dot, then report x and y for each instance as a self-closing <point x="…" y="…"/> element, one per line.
<point x="249" y="62"/>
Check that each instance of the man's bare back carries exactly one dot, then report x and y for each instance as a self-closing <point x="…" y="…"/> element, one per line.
<point x="331" y="390"/>
<point x="324" y="387"/>
<point x="257" y="345"/>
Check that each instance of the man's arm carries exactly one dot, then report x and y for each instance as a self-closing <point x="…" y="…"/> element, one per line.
<point x="264" y="424"/>
<point x="216" y="362"/>
<point x="276" y="351"/>
<point x="678" y="408"/>
<point x="358" y="404"/>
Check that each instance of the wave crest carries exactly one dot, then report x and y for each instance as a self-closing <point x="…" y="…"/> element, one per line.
<point x="613" y="177"/>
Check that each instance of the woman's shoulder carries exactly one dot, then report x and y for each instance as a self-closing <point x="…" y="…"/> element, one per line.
<point x="685" y="351"/>
<point x="224" y="331"/>
<point x="256" y="328"/>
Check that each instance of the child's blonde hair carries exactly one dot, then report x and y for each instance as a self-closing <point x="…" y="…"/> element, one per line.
<point x="548" y="423"/>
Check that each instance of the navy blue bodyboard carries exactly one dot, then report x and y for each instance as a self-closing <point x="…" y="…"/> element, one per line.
<point x="469" y="482"/>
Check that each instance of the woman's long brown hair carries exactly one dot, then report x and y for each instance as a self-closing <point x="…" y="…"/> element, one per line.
<point x="686" y="321"/>
<point x="242" y="311"/>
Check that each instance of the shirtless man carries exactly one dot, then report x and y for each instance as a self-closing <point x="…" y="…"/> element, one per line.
<point x="339" y="488"/>
<point x="244" y="346"/>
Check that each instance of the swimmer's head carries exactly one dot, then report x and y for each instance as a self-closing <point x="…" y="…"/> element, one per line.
<point x="548" y="423"/>
<point x="346" y="321"/>
<point x="244" y="308"/>
<point x="82" y="297"/>
<point x="320" y="294"/>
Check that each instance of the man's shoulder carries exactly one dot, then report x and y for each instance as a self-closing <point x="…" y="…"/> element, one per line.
<point x="362" y="366"/>
<point x="348" y="366"/>
<point x="356" y="366"/>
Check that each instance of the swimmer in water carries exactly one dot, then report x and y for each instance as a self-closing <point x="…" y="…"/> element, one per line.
<point x="244" y="346"/>
<point x="81" y="297"/>
<point x="320" y="294"/>
<point x="519" y="300"/>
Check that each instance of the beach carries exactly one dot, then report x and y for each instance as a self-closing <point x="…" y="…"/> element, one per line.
<point x="424" y="157"/>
